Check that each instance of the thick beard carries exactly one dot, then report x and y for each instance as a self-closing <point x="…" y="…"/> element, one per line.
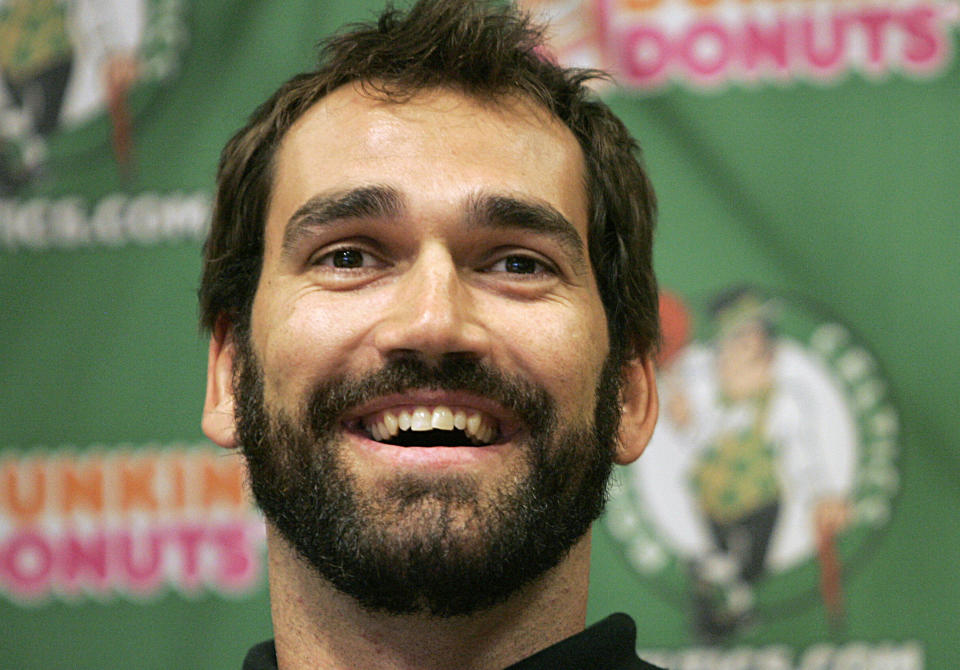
<point x="440" y="546"/>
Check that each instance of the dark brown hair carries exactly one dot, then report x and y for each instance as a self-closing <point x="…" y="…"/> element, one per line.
<point x="483" y="50"/>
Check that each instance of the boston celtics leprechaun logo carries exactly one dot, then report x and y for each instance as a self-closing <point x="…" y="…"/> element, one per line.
<point x="65" y="62"/>
<point x="771" y="468"/>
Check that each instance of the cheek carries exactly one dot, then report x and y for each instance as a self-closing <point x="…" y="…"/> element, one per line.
<point x="304" y="340"/>
<point x="564" y="351"/>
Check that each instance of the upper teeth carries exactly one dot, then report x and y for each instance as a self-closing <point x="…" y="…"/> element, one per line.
<point x="386" y="424"/>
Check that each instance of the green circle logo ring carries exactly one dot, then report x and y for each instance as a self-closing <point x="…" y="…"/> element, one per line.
<point x="773" y="466"/>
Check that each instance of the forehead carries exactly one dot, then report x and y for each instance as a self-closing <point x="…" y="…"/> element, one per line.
<point x="437" y="149"/>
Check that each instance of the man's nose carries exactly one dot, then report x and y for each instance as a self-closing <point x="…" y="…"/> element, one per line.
<point x="434" y="312"/>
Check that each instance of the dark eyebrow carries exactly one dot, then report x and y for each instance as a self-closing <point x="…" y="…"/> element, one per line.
<point x="501" y="211"/>
<point x="365" y="202"/>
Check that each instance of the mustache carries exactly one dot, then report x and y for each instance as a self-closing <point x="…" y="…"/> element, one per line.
<point x="530" y="403"/>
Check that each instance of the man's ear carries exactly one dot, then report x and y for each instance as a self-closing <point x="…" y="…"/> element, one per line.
<point x="218" y="422"/>
<point x="640" y="406"/>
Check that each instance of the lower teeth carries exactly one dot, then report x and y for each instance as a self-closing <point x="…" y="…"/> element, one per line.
<point x="433" y="438"/>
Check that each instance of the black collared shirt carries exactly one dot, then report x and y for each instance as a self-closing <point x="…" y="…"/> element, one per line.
<point x="606" y="645"/>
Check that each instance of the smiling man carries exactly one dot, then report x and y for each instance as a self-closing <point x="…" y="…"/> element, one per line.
<point x="432" y="312"/>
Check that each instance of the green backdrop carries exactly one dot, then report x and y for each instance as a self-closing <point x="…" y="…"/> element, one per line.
<point x="122" y="544"/>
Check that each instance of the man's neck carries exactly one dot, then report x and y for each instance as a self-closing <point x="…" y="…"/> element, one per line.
<point x="316" y="626"/>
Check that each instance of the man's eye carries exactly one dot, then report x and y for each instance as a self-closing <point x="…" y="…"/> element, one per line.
<point x="347" y="258"/>
<point x="516" y="264"/>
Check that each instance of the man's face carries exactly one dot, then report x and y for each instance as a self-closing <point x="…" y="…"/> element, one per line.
<point x="426" y="346"/>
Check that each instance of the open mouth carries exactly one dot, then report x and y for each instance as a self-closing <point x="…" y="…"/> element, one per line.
<point x="436" y="426"/>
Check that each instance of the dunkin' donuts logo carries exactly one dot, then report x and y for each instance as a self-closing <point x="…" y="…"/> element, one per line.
<point x="101" y="523"/>
<point x="772" y="469"/>
<point x="706" y="43"/>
